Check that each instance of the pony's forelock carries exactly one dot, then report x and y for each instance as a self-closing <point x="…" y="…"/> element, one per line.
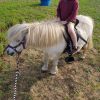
<point x="15" y="31"/>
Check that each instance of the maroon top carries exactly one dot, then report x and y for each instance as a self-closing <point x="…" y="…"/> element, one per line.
<point x="67" y="10"/>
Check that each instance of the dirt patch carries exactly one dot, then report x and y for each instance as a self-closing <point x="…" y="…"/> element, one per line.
<point x="77" y="81"/>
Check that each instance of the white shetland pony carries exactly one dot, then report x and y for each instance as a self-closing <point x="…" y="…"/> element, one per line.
<point x="48" y="36"/>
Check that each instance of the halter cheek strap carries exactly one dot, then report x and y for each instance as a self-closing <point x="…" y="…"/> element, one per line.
<point x="23" y="42"/>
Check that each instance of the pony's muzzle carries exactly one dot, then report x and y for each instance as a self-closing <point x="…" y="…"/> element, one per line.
<point x="10" y="51"/>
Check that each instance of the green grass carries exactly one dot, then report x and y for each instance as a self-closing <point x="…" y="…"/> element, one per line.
<point x="23" y="10"/>
<point x="17" y="11"/>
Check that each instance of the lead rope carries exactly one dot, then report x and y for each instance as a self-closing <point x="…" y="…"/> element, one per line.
<point x="17" y="73"/>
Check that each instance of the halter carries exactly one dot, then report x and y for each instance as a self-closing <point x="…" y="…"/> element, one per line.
<point x="17" y="73"/>
<point x="23" y="42"/>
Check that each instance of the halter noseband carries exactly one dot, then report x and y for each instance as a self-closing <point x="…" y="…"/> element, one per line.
<point x="23" y="42"/>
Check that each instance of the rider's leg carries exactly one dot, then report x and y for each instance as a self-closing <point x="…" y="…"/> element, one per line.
<point x="72" y="35"/>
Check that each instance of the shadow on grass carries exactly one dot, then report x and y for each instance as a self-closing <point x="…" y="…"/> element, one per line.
<point x="30" y="74"/>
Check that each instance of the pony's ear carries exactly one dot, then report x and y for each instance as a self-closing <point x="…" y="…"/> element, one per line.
<point x="26" y="30"/>
<point x="23" y="22"/>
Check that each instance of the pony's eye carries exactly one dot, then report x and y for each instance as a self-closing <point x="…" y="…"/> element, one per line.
<point x="17" y="40"/>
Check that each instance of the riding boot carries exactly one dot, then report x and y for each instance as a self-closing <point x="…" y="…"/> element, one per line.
<point x="69" y="47"/>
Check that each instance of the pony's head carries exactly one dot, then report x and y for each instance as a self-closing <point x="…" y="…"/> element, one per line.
<point x="17" y="38"/>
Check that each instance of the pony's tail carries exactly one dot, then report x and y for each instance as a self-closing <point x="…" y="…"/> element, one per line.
<point x="90" y="43"/>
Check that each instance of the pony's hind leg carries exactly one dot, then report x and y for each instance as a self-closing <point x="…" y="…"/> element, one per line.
<point x="84" y="51"/>
<point x="45" y="66"/>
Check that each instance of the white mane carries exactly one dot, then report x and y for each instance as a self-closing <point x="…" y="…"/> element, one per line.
<point x="46" y="34"/>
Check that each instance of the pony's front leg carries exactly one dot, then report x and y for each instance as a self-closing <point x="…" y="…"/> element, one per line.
<point x="45" y="66"/>
<point x="54" y="68"/>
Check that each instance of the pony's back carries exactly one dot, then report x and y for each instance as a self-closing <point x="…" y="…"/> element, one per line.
<point x="87" y="23"/>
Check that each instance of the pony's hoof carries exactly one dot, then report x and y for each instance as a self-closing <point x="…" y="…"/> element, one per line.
<point x="44" y="71"/>
<point x="53" y="73"/>
<point x="69" y="59"/>
<point x="82" y="58"/>
<point x="54" y="70"/>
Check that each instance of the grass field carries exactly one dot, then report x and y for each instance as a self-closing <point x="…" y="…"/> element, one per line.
<point x="78" y="81"/>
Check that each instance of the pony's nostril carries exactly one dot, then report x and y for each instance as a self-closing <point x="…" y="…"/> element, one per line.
<point x="10" y="53"/>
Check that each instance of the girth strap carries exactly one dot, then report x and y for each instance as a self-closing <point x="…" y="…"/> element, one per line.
<point x="79" y="35"/>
